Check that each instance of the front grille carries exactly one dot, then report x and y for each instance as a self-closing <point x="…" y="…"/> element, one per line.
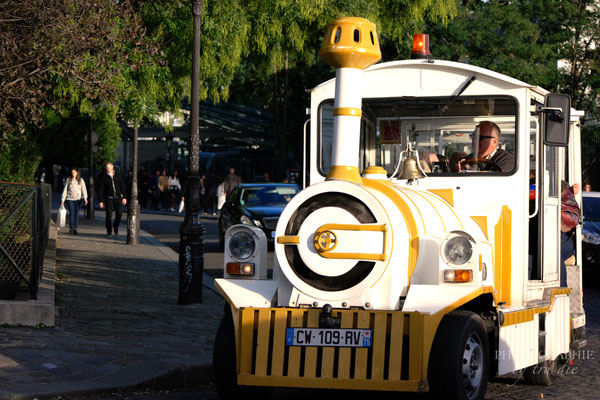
<point x="271" y="223"/>
<point x="394" y="361"/>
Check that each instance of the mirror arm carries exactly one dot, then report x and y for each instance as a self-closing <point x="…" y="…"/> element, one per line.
<point x="559" y="111"/>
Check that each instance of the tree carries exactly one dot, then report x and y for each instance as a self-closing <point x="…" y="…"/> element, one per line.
<point x="61" y="59"/>
<point x="551" y="43"/>
<point x="284" y="41"/>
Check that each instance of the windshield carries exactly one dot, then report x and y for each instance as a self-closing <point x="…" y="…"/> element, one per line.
<point x="450" y="135"/>
<point x="267" y="196"/>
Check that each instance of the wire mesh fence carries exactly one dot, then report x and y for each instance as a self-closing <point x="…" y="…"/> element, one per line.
<point x="24" y="224"/>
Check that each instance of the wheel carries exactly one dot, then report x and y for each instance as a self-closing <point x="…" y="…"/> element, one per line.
<point x="224" y="365"/>
<point x="459" y="362"/>
<point x="542" y="374"/>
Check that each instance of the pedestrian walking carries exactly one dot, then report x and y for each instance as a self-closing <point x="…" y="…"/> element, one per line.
<point x="112" y="195"/>
<point x="231" y="181"/>
<point x="73" y="194"/>
<point x="163" y="186"/>
<point x="175" y="190"/>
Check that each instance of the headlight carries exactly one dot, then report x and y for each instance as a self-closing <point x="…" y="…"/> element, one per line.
<point x="457" y="248"/>
<point x="242" y="245"/>
<point x="257" y="223"/>
<point x="245" y="220"/>
<point x="245" y="255"/>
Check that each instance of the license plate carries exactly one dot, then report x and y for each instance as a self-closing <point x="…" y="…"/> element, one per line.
<point x="328" y="337"/>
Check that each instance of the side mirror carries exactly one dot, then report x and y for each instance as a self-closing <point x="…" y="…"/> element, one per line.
<point x="557" y="117"/>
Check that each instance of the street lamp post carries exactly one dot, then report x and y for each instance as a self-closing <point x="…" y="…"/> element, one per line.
<point x="191" y="244"/>
<point x="133" y="207"/>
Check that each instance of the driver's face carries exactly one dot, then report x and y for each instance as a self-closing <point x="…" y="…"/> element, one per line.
<point x="488" y="140"/>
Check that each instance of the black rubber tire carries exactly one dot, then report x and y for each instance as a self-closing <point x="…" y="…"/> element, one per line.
<point x="542" y="374"/>
<point x="460" y="334"/>
<point x="224" y="365"/>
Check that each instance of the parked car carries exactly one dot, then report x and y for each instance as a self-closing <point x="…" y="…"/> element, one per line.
<point x="591" y="239"/>
<point x="591" y="217"/>
<point x="258" y="204"/>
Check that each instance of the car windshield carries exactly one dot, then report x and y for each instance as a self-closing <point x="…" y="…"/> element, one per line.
<point x="270" y="196"/>
<point x="445" y="131"/>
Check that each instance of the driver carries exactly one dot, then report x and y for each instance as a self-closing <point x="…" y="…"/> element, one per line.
<point x="487" y="144"/>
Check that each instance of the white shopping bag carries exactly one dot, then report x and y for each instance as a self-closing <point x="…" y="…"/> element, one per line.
<point x="62" y="216"/>
<point x="181" y="206"/>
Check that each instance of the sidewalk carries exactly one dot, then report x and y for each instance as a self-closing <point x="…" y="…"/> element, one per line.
<point x="118" y="324"/>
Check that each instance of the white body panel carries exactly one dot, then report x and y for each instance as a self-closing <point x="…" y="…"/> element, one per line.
<point x="518" y="346"/>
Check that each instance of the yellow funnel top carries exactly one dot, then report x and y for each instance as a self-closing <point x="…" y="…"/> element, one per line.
<point x="351" y="43"/>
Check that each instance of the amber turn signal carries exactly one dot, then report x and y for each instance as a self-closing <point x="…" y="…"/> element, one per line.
<point x="234" y="268"/>
<point x="458" y="275"/>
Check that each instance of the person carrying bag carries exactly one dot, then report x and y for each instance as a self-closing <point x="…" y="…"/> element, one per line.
<point x="73" y="194"/>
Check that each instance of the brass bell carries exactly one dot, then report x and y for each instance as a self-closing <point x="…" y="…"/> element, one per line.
<point x="411" y="167"/>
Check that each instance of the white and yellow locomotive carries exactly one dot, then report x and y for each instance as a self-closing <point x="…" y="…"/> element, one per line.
<point x="436" y="275"/>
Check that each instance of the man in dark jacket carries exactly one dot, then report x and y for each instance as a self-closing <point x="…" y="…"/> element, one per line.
<point x="112" y="194"/>
<point x="231" y="181"/>
<point x="490" y="157"/>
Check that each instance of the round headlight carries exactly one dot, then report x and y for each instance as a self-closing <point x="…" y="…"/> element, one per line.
<point x="245" y="220"/>
<point x="458" y="250"/>
<point x="242" y="245"/>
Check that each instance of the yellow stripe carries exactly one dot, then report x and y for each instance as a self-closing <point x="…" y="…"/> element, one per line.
<point x="393" y="195"/>
<point x="446" y="194"/>
<point x="517" y="317"/>
<point x="288" y="239"/>
<point x="404" y="192"/>
<point x="451" y="204"/>
<point x="262" y="342"/>
<point x="278" y="351"/>
<point x="328" y="253"/>
<point x="422" y="194"/>
<point x="245" y="338"/>
<point x="482" y="222"/>
<point x="345" y="173"/>
<point x="502" y="260"/>
<point x="379" y="333"/>
<point x="353" y="227"/>
<point x="349" y="111"/>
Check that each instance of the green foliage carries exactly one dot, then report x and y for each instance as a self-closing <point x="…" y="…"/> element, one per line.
<point x="19" y="157"/>
<point x="551" y="43"/>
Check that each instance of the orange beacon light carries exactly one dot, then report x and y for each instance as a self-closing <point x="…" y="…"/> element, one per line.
<point x="420" y="46"/>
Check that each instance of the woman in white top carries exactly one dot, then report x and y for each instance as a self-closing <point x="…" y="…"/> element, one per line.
<point x="174" y="190"/>
<point x="73" y="193"/>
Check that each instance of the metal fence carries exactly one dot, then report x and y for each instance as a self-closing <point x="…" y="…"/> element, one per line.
<point x="24" y="227"/>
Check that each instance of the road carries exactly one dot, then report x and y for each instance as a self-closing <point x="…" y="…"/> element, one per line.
<point x="165" y="227"/>
<point x="578" y="381"/>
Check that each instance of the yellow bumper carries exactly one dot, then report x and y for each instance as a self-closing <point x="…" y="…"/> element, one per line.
<point x="394" y="362"/>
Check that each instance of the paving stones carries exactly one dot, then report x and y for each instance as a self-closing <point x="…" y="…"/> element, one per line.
<point x="117" y="323"/>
